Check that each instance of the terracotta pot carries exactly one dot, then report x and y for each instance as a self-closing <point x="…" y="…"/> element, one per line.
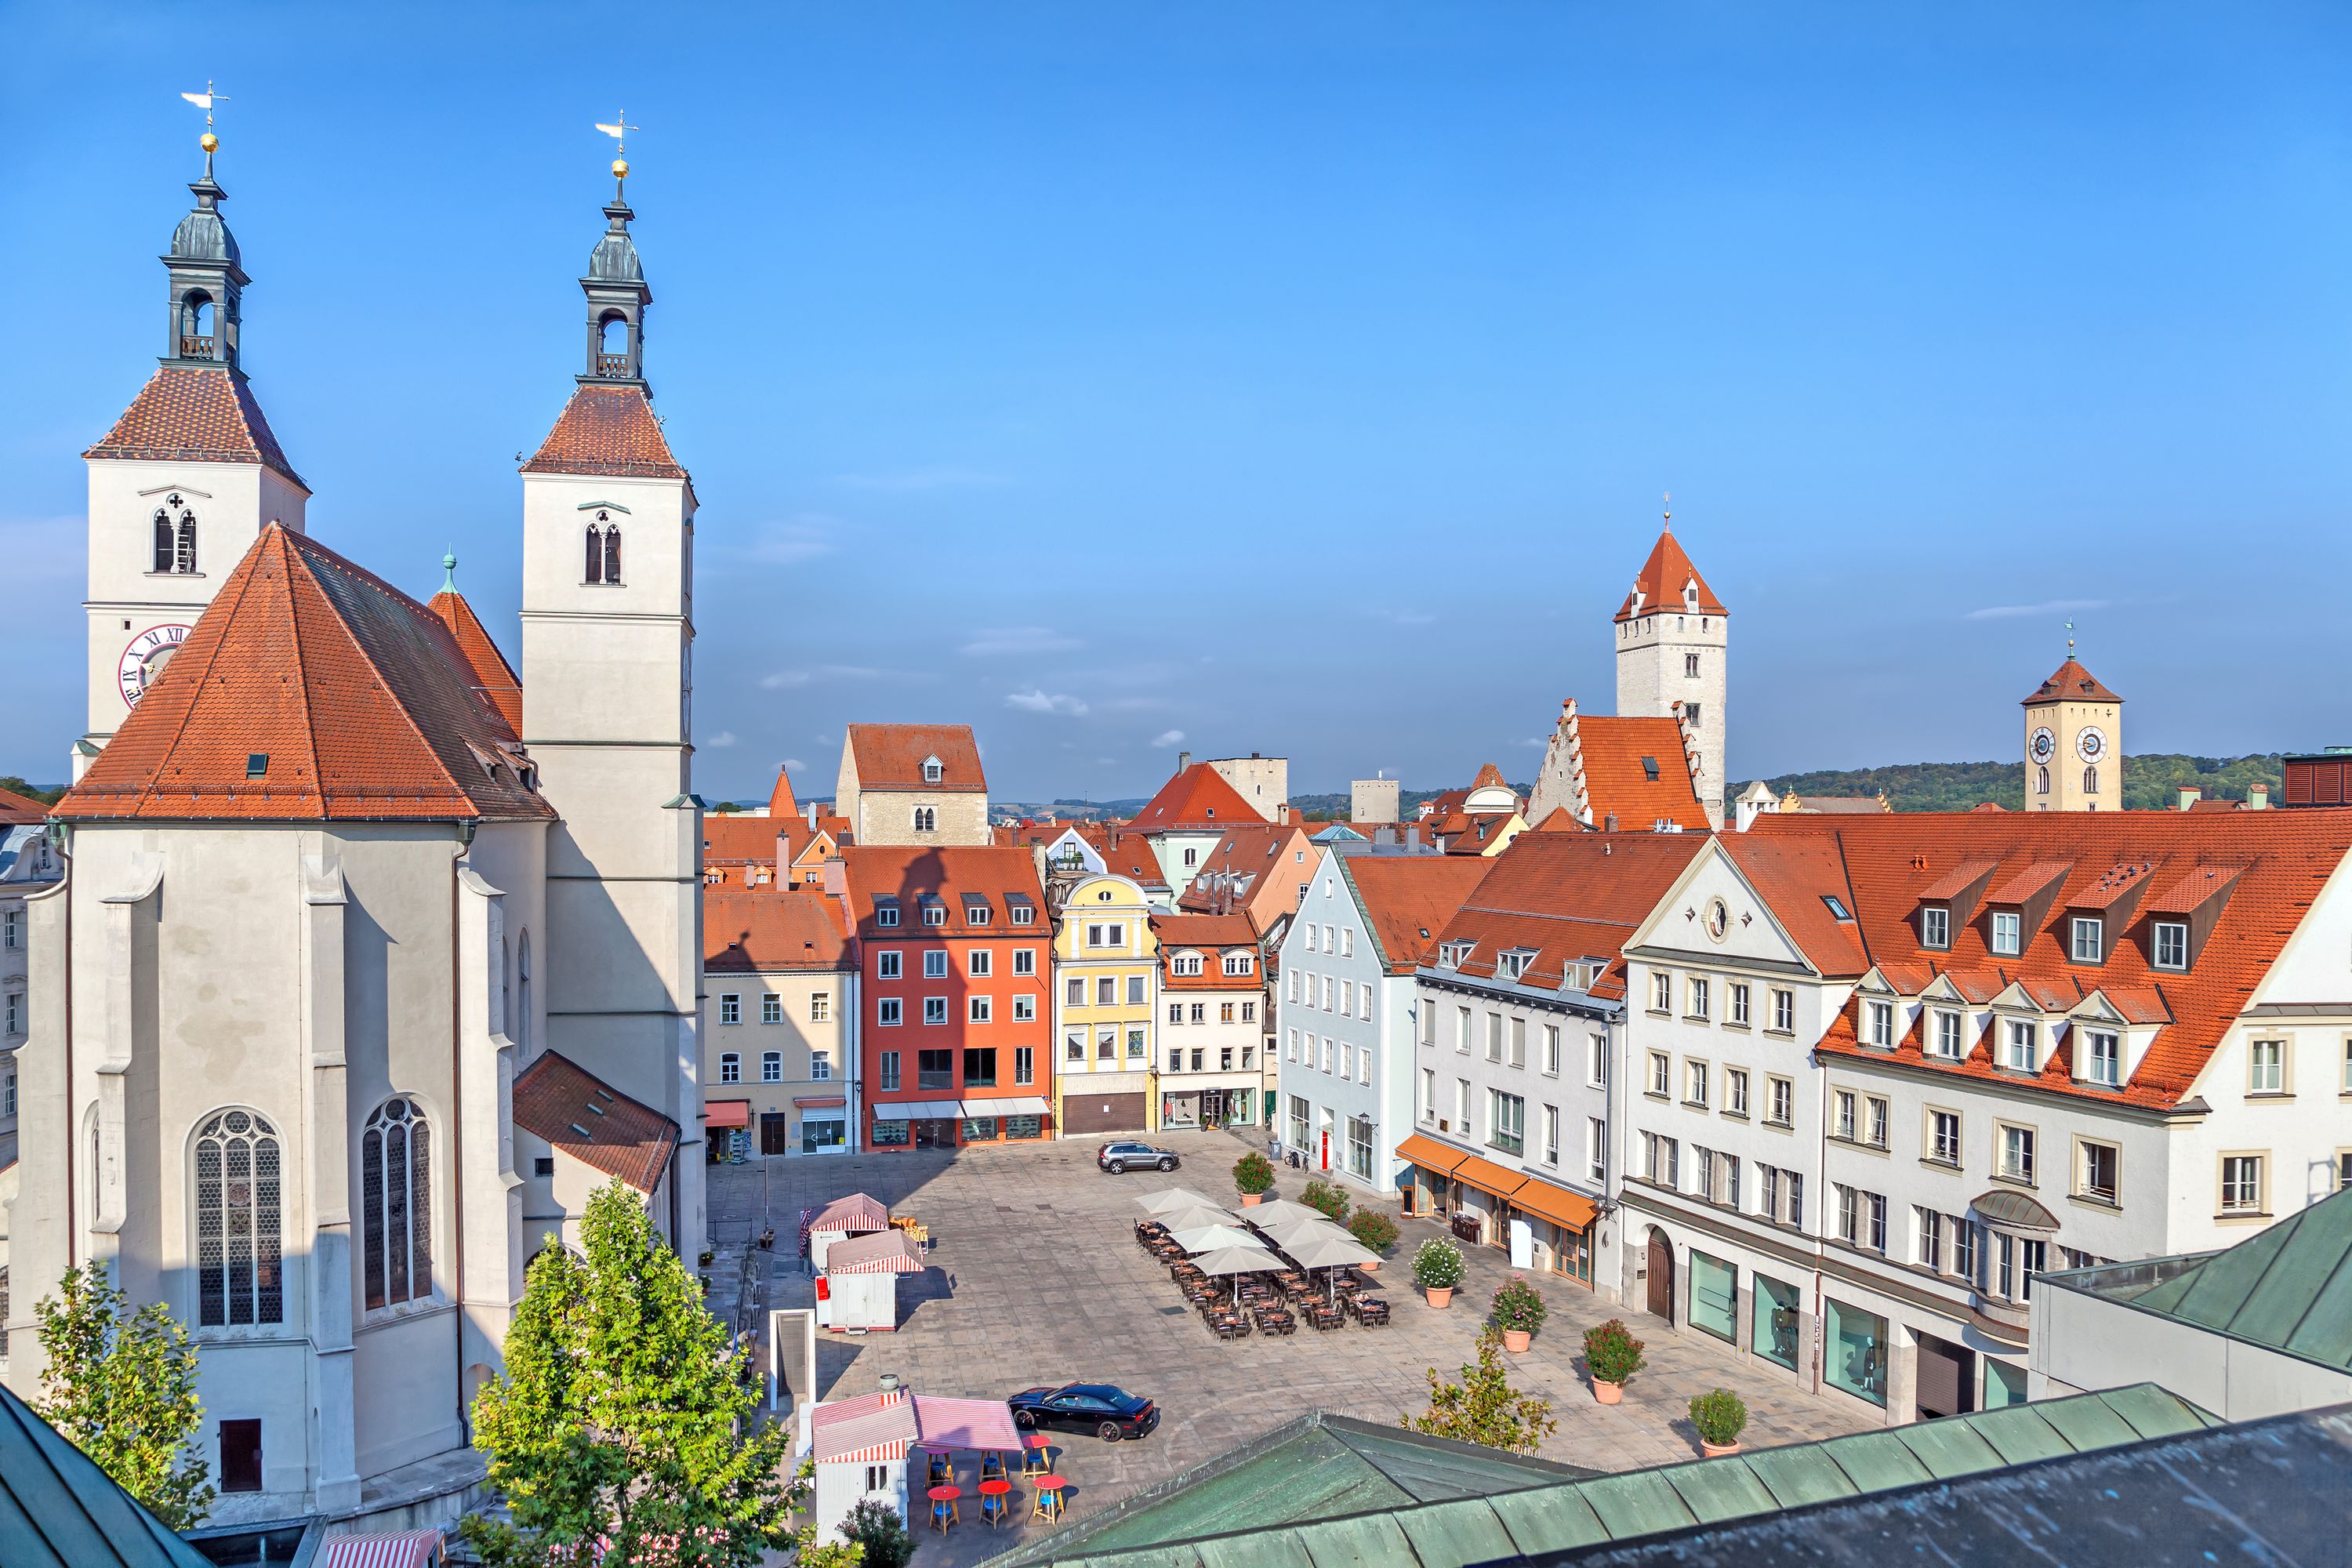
<point x="1371" y="1267"/>
<point x="1437" y="1296"/>
<point x="1608" y="1392"/>
<point x="1718" y="1450"/>
<point x="1517" y="1341"/>
<point x="1251" y="1200"/>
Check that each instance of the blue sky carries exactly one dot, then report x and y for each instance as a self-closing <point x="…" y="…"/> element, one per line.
<point x="1298" y="378"/>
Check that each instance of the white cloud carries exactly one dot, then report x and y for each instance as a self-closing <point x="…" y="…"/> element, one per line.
<point x="1400" y="617"/>
<point x="2047" y="608"/>
<point x="788" y="542"/>
<point x="1018" y="640"/>
<point x="1136" y="704"/>
<point x="1037" y="700"/>
<point x="914" y="482"/>
<point x="794" y="765"/>
<point x="793" y="679"/>
<point x="1535" y="741"/>
<point x="722" y="740"/>
<point x="1168" y="738"/>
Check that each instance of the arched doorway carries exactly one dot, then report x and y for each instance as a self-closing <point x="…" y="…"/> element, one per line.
<point x="1661" y="1275"/>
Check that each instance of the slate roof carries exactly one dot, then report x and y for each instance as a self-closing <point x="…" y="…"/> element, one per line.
<point x="557" y="1099"/>
<point x="1659" y="585"/>
<point x="357" y="700"/>
<point x="58" y="1510"/>
<point x="2288" y="1287"/>
<point x="607" y="430"/>
<point x="890" y="756"/>
<point x="187" y="413"/>
<point x="1198" y="798"/>
<point x="772" y="929"/>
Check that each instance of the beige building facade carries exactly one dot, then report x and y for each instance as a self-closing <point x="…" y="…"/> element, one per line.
<point x="780" y="1047"/>
<point x="905" y="785"/>
<point x="2074" y="742"/>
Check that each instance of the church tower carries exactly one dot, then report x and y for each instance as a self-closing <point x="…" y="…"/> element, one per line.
<point x="2074" y="742"/>
<point x="607" y="644"/>
<point x="1672" y="644"/>
<point x="186" y="478"/>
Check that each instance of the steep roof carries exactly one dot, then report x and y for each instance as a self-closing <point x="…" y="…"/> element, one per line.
<point x="189" y="414"/>
<point x="2254" y="873"/>
<point x="1408" y="900"/>
<point x="1662" y="577"/>
<point x="891" y="756"/>
<point x="1567" y="897"/>
<point x="1246" y="853"/>
<point x="557" y="1099"/>
<point x="353" y="700"/>
<point x="1130" y="855"/>
<point x="607" y="430"/>
<point x="14" y="807"/>
<point x="58" y="1510"/>
<point x="772" y="929"/>
<point x="1490" y="777"/>
<point x="780" y="799"/>
<point x="1207" y="932"/>
<point x="1197" y="798"/>
<point x="494" y="677"/>
<point x="909" y="875"/>
<point x="2069" y="683"/>
<point x="1797" y="876"/>
<point x="1619" y="755"/>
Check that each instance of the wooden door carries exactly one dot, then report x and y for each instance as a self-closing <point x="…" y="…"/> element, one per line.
<point x="775" y="1132"/>
<point x="1662" y="1275"/>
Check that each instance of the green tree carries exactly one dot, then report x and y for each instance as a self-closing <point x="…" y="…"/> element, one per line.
<point x="623" y="1431"/>
<point x="1484" y="1408"/>
<point x="879" y="1534"/>
<point x="122" y="1386"/>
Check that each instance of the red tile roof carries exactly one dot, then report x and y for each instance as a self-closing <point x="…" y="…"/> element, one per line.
<point x="1797" y="876"/>
<point x="780" y="799"/>
<point x="911" y="874"/>
<point x="581" y="1114"/>
<point x="494" y="677"/>
<point x="1490" y="775"/>
<point x="2271" y="864"/>
<point x="891" y="756"/>
<point x="1409" y="899"/>
<point x="356" y="698"/>
<point x="773" y="928"/>
<point x="1617" y="781"/>
<point x="1208" y="935"/>
<point x="607" y="430"/>
<point x="730" y="838"/>
<point x="1659" y="585"/>
<point x="1568" y="897"/>
<point x="185" y="414"/>
<point x="1247" y="854"/>
<point x="1198" y="798"/>
<point x="20" y="808"/>
<point x="2069" y="683"/>
<point x="1130" y="855"/>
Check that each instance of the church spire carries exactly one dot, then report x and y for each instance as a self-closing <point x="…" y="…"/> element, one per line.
<point x="207" y="274"/>
<point x="615" y="286"/>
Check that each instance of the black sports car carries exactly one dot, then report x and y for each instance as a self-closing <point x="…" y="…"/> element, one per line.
<point x="1109" y="1412"/>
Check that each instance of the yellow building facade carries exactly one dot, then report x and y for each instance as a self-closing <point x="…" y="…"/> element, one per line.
<point x="1106" y="992"/>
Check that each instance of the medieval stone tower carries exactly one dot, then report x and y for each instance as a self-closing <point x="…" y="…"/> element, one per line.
<point x="1673" y="641"/>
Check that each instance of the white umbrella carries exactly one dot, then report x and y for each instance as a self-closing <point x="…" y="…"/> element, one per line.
<point x="1328" y="1252"/>
<point x="1283" y="1234"/>
<point x="1237" y="1261"/>
<point x="1172" y="1198"/>
<point x="1210" y="1238"/>
<point x="1192" y="1217"/>
<point x="1282" y="1211"/>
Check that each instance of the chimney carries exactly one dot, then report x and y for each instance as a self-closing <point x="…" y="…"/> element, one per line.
<point x="2258" y="797"/>
<point x="1282" y="814"/>
<point x="1183" y="761"/>
<point x="812" y="816"/>
<point x="1609" y="822"/>
<point x="2189" y="796"/>
<point x="836" y="877"/>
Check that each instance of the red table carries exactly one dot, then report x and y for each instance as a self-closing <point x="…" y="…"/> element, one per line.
<point x="1033" y="1463"/>
<point x="993" y="1506"/>
<point x="1049" y="1499"/>
<point x="944" y="1507"/>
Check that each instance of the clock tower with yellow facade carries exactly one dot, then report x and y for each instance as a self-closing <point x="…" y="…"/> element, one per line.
<point x="2074" y="742"/>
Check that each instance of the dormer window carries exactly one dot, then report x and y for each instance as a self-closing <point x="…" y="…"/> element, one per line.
<point x="1513" y="965"/>
<point x="1021" y="913"/>
<point x="1650" y="769"/>
<point x="2169" y="945"/>
<point x="1185" y="963"/>
<point x="976" y="913"/>
<point x="2102" y="1057"/>
<point x="2019" y="1043"/>
<point x="1936" y="927"/>
<point x="932" y="769"/>
<point x="935" y="914"/>
<point x="2005" y="929"/>
<point x="885" y="914"/>
<point x="1881" y="1023"/>
<point x="1238" y="963"/>
<point x="1452" y="954"/>
<point x="2089" y="939"/>
<point x="1947" y="1035"/>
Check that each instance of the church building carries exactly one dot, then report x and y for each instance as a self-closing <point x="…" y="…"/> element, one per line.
<point x="372" y="957"/>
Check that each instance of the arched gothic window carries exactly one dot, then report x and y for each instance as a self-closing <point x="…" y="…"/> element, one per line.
<point x="175" y="536"/>
<point x="604" y="550"/>
<point x="927" y="819"/>
<point x="397" y="1203"/>
<point x="2041" y="781"/>
<point x="2090" y="781"/>
<point x="241" y="1276"/>
<point x="522" y="995"/>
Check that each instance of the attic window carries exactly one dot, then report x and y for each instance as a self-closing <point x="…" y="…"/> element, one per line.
<point x="932" y="769"/>
<point x="1512" y="965"/>
<point x="1650" y="769"/>
<point x="1021" y="913"/>
<point x="1836" y="907"/>
<point x="886" y="913"/>
<point x="256" y="764"/>
<point x="976" y="912"/>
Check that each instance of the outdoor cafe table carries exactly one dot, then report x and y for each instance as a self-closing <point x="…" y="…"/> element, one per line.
<point x="993" y="1506"/>
<point x="1048" y="1506"/>
<point x="1034" y="1463"/>
<point x="943" y="1505"/>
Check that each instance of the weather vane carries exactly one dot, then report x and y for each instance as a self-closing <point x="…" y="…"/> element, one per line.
<point x="205" y="100"/>
<point x="619" y="131"/>
<point x="2070" y="636"/>
<point x="1668" y="497"/>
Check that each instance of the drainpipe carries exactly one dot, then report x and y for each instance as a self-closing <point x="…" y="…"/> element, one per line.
<point x="457" y="1125"/>
<point x="73" y="1254"/>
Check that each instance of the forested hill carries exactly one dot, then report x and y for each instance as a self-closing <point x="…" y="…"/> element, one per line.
<point x="2149" y="783"/>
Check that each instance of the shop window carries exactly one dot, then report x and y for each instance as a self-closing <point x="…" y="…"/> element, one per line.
<point x="1855" y="1358"/>
<point x="1774" y="1331"/>
<point x="1714" y="1296"/>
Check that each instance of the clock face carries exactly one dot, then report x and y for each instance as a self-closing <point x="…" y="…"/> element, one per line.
<point x="144" y="659"/>
<point x="2045" y="745"/>
<point x="2091" y="744"/>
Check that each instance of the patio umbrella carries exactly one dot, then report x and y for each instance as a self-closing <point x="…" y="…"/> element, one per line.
<point x="1192" y="1217"/>
<point x="1236" y="1261"/>
<point x="1210" y="1237"/>
<point x="1329" y="1252"/>
<point x="1172" y="1198"/>
<point x="1288" y="1231"/>
<point x="1282" y="1211"/>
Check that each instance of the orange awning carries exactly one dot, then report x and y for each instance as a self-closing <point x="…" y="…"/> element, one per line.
<point x="728" y="1113"/>
<point x="1557" y="1205"/>
<point x="1430" y="1154"/>
<point x="1488" y="1177"/>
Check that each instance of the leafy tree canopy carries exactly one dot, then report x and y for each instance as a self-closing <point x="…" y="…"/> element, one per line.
<point x="121" y="1386"/>
<point x="2151" y="783"/>
<point x="1484" y="1408"/>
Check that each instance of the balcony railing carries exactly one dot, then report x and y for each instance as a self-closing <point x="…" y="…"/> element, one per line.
<point x="613" y="365"/>
<point x="194" y="345"/>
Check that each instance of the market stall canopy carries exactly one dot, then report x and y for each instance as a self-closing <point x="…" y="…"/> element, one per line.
<point x="1172" y="1198"/>
<point x="1237" y="1260"/>
<point x="402" y="1549"/>
<point x="984" y="1426"/>
<point x="1193" y="1216"/>
<point x="876" y="1252"/>
<point x="1210" y="1237"/>
<point x="853" y="1214"/>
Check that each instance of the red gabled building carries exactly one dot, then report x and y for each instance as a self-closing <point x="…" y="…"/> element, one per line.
<point x="956" y="950"/>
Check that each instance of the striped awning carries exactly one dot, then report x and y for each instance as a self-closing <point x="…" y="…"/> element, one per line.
<point x="880" y="1252"/>
<point x="866" y="1430"/>
<point x="407" y="1549"/>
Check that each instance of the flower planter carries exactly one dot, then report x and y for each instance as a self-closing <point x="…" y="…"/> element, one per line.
<point x="1517" y="1341"/>
<point x="1369" y="1266"/>
<point x="1437" y="1298"/>
<point x="1251" y="1200"/>
<point x="1718" y="1450"/>
<point x="1608" y="1392"/>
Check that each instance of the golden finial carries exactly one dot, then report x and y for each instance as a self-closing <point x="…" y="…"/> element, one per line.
<point x="1668" y="497"/>
<point x="208" y="142"/>
<point x="619" y="131"/>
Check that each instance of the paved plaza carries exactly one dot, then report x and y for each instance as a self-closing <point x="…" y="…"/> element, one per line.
<point x="1035" y="1279"/>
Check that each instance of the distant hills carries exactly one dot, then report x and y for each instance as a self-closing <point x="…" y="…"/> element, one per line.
<point x="2150" y="782"/>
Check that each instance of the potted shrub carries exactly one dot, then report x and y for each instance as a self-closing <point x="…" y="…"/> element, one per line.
<point x="1720" y="1417"/>
<point x="1517" y="1313"/>
<point x="1437" y="1269"/>
<point x="1321" y="1194"/>
<point x="706" y="1257"/>
<point x="1253" y="1176"/>
<point x="1375" y="1230"/>
<point x="1611" y="1355"/>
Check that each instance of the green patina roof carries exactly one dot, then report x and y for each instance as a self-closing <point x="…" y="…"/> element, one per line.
<point x="2289" y="1288"/>
<point x="58" y="1510"/>
<point x="1325" y="1491"/>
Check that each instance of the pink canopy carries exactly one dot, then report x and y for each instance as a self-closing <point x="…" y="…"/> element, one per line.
<point x="983" y="1424"/>
<point x="878" y="1252"/>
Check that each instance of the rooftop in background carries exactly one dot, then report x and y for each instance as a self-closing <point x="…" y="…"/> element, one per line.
<point x="2069" y="683"/>
<point x="891" y="756"/>
<point x="772" y="929"/>
<point x="1198" y="798"/>
<point x="1667" y="581"/>
<point x="58" y="1510"/>
<point x="1409" y="899"/>
<point x="579" y="1113"/>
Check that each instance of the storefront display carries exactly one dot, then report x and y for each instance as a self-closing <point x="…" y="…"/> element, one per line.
<point x="1856" y="1358"/>
<point x="1772" y="1333"/>
<point x="1714" y="1296"/>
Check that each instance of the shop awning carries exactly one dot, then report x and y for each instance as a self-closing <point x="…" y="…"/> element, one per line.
<point x="1488" y="1177"/>
<point x="818" y="1102"/>
<point x="1557" y="1205"/>
<point x="916" y="1110"/>
<point x="1019" y="1105"/>
<point x="407" y="1549"/>
<point x="727" y="1113"/>
<point x="1430" y="1154"/>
